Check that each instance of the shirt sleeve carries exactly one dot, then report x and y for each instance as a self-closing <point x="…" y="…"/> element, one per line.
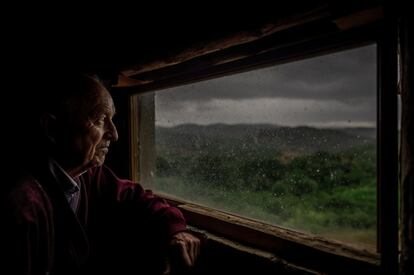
<point x="132" y="195"/>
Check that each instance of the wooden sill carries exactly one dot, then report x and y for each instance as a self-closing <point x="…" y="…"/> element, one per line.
<point x="265" y="256"/>
<point x="293" y="247"/>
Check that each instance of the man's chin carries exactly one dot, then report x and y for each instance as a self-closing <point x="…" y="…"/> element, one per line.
<point x="98" y="161"/>
<point x="95" y="162"/>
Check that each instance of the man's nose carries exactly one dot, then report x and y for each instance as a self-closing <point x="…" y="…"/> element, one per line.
<point x="112" y="132"/>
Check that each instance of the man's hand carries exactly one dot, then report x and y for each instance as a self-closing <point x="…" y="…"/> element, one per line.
<point x="184" y="249"/>
<point x="188" y="247"/>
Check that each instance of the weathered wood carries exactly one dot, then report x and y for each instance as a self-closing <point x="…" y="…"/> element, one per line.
<point x="241" y="37"/>
<point x="267" y="263"/>
<point x="294" y="247"/>
<point x="342" y="16"/>
<point x="146" y="139"/>
<point x="407" y="146"/>
<point x="134" y="118"/>
<point x="297" y="248"/>
<point x="360" y="18"/>
<point x="387" y="168"/>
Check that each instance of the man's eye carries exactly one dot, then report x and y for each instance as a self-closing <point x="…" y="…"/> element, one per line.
<point x="100" y="120"/>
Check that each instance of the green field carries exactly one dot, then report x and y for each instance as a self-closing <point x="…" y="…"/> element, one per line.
<point x="325" y="185"/>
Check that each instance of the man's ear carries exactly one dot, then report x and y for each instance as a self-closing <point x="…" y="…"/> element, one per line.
<point x="48" y="126"/>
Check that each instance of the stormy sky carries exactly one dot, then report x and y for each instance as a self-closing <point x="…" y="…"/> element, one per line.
<point x="334" y="90"/>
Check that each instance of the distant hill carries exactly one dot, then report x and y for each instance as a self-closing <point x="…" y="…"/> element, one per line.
<point x="260" y="137"/>
<point x="361" y="132"/>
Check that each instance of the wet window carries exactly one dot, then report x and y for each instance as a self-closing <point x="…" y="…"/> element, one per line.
<point x="293" y="145"/>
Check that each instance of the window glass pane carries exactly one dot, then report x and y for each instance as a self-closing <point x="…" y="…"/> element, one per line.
<point x="293" y="145"/>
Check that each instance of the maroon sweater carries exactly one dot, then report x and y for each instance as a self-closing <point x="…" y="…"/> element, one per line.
<point x="43" y="236"/>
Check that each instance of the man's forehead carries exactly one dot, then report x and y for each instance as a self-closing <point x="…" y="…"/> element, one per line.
<point x="104" y="106"/>
<point x="101" y="98"/>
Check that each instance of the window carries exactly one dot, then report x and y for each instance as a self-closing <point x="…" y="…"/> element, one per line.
<point x="289" y="148"/>
<point x="293" y="145"/>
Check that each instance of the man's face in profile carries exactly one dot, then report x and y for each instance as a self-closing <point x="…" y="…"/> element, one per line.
<point x="86" y="140"/>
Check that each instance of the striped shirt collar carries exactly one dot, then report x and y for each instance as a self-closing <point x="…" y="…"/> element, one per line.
<point x="68" y="184"/>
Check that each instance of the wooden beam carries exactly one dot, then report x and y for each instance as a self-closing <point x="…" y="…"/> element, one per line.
<point x="201" y="48"/>
<point x="407" y="145"/>
<point x="387" y="165"/>
<point x="297" y="248"/>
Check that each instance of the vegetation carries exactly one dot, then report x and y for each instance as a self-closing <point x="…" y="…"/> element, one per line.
<point x="316" y="180"/>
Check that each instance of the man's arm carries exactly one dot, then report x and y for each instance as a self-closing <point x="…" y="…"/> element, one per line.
<point x="184" y="246"/>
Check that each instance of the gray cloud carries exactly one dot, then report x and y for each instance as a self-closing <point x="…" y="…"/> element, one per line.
<point x="336" y="89"/>
<point x="280" y="111"/>
<point x="347" y="76"/>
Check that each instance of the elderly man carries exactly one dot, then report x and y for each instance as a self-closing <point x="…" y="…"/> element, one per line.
<point x="64" y="196"/>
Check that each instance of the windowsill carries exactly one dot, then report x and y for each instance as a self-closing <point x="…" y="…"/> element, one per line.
<point x="274" y="243"/>
<point x="265" y="256"/>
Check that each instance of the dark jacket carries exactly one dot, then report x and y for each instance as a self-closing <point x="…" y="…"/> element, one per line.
<point x="42" y="235"/>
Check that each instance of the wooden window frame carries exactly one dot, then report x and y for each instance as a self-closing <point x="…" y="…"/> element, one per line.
<point x="294" y="247"/>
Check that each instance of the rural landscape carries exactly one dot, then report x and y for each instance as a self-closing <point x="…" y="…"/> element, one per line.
<point x="316" y="180"/>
